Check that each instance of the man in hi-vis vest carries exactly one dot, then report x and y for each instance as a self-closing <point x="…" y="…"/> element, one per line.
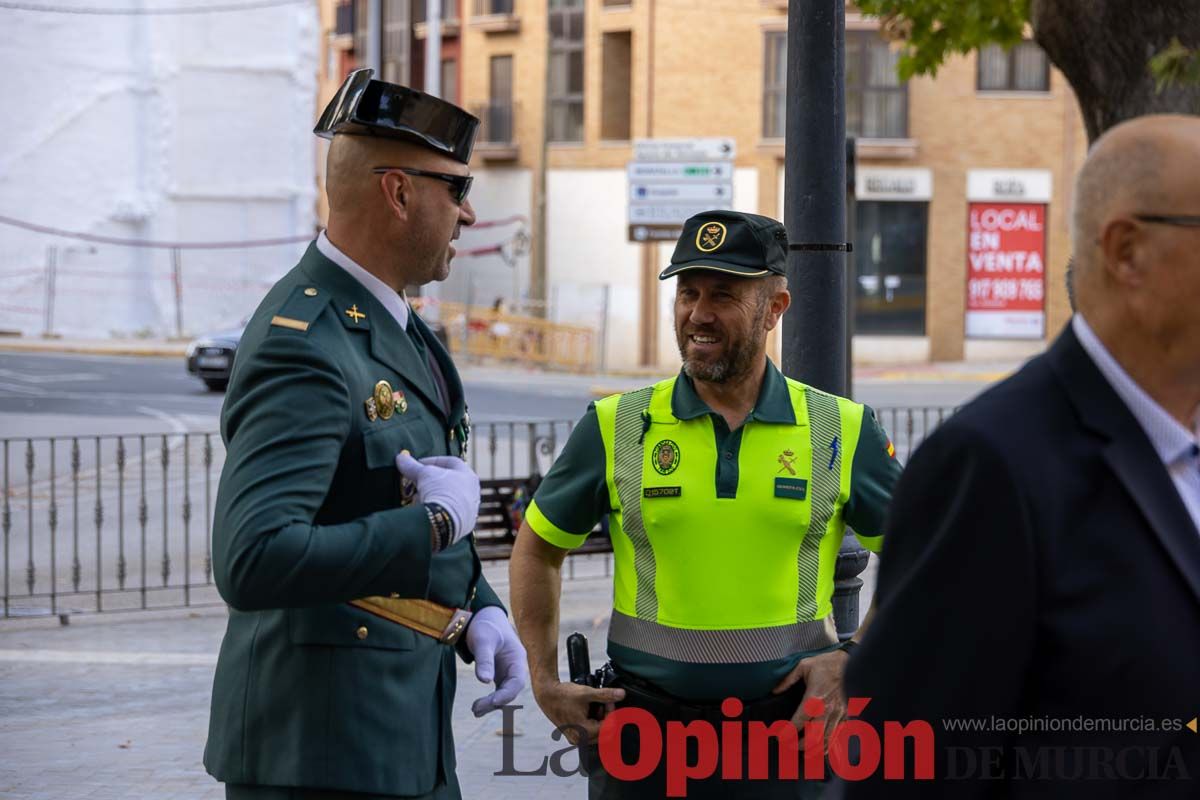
<point x="729" y="488"/>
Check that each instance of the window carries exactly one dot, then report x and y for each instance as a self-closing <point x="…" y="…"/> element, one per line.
<point x="449" y="11"/>
<point x="876" y="100"/>
<point x="344" y="19"/>
<point x="394" y="56"/>
<point x="487" y="8"/>
<point x="1024" y="68"/>
<point x="615" y="79"/>
<point x="889" y="267"/>
<point x="775" y="86"/>
<point x="566" y="71"/>
<point x="497" y="115"/>
<point x="361" y="29"/>
<point x="449" y="80"/>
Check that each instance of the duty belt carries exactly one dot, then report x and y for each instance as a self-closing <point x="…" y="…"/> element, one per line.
<point x="640" y="693"/>
<point x="423" y="616"/>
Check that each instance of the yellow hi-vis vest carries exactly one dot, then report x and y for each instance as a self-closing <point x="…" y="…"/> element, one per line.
<point x="704" y="579"/>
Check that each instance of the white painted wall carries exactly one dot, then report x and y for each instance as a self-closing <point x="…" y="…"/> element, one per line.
<point x="586" y="249"/>
<point x="192" y="127"/>
<point x="496" y="194"/>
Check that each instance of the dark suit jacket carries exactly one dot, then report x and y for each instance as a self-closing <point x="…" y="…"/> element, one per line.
<point x="310" y="691"/>
<point x="1039" y="563"/>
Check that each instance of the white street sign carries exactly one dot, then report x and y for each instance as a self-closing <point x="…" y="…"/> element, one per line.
<point x="679" y="192"/>
<point x="674" y="179"/>
<point x="672" y="213"/>
<point x="679" y="172"/>
<point x="711" y="149"/>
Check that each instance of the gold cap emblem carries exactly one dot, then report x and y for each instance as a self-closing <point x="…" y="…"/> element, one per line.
<point x="710" y="236"/>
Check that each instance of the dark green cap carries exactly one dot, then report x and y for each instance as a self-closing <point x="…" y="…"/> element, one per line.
<point x="730" y="241"/>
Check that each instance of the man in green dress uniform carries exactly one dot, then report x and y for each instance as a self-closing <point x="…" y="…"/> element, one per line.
<point x="341" y="534"/>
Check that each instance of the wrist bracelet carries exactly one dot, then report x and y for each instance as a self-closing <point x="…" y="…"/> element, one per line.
<point x="441" y="526"/>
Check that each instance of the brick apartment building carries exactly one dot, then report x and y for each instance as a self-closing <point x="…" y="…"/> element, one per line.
<point x="962" y="181"/>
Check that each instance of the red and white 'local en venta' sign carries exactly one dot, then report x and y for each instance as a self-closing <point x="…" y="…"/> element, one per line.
<point x="1006" y="270"/>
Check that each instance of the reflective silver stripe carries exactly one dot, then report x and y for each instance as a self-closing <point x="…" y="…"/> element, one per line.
<point x="628" y="450"/>
<point x="825" y="427"/>
<point x="742" y="646"/>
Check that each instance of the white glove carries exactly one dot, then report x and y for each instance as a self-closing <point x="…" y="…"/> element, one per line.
<point x="498" y="654"/>
<point x="447" y="481"/>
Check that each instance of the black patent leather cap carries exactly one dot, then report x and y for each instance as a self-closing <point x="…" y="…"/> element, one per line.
<point x="369" y="107"/>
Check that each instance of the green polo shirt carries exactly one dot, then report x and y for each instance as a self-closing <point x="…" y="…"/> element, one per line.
<point x="574" y="496"/>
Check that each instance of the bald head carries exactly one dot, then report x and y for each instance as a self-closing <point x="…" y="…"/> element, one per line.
<point x="1136" y="167"/>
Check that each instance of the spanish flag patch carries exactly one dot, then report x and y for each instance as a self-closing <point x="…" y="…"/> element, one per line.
<point x="891" y="449"/>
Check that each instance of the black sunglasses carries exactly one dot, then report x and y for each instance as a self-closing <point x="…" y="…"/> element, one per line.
<point x="1180" y="220"/>
<point x="460" y="185"/>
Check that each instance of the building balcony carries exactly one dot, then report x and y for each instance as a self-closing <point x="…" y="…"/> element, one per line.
<point x="451" y="25"/>
<point x="497" y="131"/>
<point x="495" y="16"/>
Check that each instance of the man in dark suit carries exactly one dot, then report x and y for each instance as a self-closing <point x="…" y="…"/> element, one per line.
<point x="341" y="534"/>
<point x="1039" y="592"/>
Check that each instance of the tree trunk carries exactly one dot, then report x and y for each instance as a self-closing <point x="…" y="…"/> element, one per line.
<point x="1103" y="47"/>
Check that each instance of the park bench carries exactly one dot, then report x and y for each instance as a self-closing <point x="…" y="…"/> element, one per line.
<point x="497" y="523"/>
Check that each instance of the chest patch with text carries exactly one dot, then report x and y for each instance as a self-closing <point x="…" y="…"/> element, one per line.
<point x="791" y="488"/>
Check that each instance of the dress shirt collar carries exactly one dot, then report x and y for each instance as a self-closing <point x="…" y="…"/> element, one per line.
<point x="396" y="304"/>
<point x="1171" y="440"/>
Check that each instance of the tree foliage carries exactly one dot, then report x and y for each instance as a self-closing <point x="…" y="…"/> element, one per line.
<point x="1123" y="58"/>
<point x="1176" y="65"/>
<point x="933" y="30"/>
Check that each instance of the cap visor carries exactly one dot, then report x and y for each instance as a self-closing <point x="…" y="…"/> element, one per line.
<point x="731" y="269"/>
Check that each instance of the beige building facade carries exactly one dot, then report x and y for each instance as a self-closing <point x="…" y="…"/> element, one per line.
<point x="960" y="219"/>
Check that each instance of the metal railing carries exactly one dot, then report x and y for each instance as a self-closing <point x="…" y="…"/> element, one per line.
<point x="103" y="523"/>
<point x="106" y="523"/>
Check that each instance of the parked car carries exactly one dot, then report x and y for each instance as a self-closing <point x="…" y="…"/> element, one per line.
<point x="210" y="358"/>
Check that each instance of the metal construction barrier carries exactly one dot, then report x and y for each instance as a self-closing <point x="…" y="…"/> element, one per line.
<point x="478" y="332"/>
<point x="95" y="524"/>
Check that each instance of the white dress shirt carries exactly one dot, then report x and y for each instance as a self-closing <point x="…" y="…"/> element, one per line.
<point x="395" y="303"/>
<point x="1178" y="447"/>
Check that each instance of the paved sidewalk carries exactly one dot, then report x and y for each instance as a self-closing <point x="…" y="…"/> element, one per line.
<point x="117" y="707"/>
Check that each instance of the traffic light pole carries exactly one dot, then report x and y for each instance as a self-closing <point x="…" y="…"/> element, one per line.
<point x="815" y="346"/>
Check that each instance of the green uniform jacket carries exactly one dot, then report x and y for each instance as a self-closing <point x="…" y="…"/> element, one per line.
<point x="311" y="691"/>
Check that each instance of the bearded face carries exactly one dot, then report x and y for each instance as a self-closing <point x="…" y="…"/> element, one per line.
<point x="720" y="325"/>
